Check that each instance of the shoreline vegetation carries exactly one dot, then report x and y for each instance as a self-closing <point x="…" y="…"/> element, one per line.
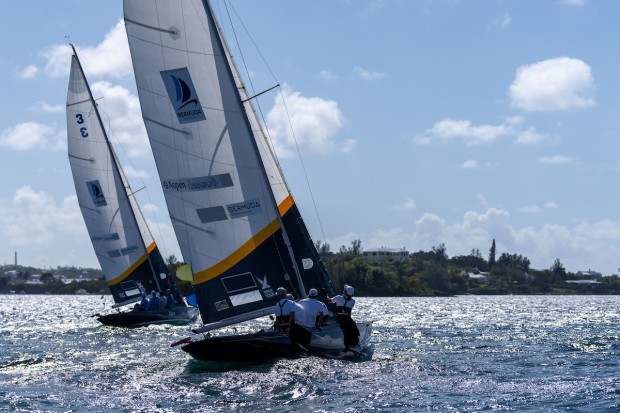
<point x="419" y="274"/>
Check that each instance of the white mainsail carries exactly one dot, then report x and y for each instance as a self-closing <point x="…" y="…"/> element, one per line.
<point x="226" y="196"/>
<point x="117" y="229"/>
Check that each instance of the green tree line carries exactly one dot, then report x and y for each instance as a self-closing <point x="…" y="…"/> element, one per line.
<point x="434" y="273"/>
<point x="422" y="273"/>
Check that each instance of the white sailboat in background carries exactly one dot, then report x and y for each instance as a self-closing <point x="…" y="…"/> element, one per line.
<point x="234" y="216"/>
<point x="125" y="248"/>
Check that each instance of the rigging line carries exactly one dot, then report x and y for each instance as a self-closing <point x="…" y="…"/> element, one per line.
<point x="243" y="59"/>
<point x="270" y="145"/>
<point x="285" y="108"/>
<point x="303" y="166"/>
<point x="241" y="86"/>
<point x="258" y="94"/>
<point x="112" y="135"/>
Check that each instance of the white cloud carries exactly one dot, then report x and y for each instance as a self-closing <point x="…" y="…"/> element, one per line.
<point x="28" y="72"/>
<point x="552" y="85"/>
<point x="408" y="205"/>
<point x="31" y="135"/>
<point x="349" y="146"/>
<point x="132" y="172"/>
<point x="48" y="232"/>
<point x="367" y="74"/>
<point x="483" y="201"/>
<point x="315" y="122"/>
<point x="503" y="22"/>
<point x="111" y="57"/>
<point x="575" y="3"/>
<point x="449" y="129"/>
<point x="327" y="75"/>
<point x="470" y="164"/>
<point x="149" y="208"/>
<point x="343" y="240"/>
<point x="34" y="218"/>
<point x="580" y="246"/>
<point x="120" y="112"/>
<point x="44" y="107"/>
<point x="530" y="209"/>
<point x="551" y="205"/>
<point x="533" y="137"/>
<point x="557" y="160"/>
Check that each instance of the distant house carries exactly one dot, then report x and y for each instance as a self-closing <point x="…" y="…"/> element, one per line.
<point x="480" y="277"/>
<point x="589" y="273"/>
<point x="35" y="279"/>
<point x="13" y="274"/>
<point x="382" y="254"/>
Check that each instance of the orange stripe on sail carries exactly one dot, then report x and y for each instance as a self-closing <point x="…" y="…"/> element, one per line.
<point x="135" y="265"/>
<point x="238" y="255"/>
<point x="151" y="247"/>
<point x="286" y="205"/>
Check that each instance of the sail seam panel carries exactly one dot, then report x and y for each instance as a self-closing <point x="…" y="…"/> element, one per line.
<point x="238" y="255"/>
<point x="132" y="268"/>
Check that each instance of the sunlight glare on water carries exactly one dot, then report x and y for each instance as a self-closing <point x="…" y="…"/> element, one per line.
<point x="470" y="353"/>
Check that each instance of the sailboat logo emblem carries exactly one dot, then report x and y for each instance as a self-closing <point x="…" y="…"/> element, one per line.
<point x="183" y="96"/>
<point x="96" y="193"/>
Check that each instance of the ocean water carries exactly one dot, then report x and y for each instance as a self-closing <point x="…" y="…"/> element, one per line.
<point x="459" y="354"/>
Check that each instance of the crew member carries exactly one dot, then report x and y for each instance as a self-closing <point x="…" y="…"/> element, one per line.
<point x="344" y="302"/>
<point x="344" y="307"/>
<point x="144" y="304"/>
<point x="314" y="310"/>
<point x="154" y="301"/>
<point x="284" y="311"/>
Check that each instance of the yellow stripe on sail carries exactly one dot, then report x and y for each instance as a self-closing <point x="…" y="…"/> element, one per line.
<point x="238" y="255"/>
<point x="135" y="265"/>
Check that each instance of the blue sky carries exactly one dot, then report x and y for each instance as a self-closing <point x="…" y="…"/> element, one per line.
<point x="419" y="123"/>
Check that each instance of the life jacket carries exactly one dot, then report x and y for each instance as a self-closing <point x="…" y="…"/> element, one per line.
<point x="282" y="320"/>
<point x="170" y="302"/>
<point x="344" y="309"/>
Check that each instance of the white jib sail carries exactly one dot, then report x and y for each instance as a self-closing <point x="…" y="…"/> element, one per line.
<point x="115" y="224"/>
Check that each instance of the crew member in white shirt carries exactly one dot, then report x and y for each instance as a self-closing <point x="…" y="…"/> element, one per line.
<point x="314" y="310"/>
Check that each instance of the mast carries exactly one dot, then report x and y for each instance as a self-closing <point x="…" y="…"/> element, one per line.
<point x="233" y="69"/>
<point x="117" y="165"/>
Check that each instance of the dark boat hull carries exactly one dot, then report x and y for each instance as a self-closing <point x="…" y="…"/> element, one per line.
<point x="133" y="319"/>
<point x="268" y="345"/>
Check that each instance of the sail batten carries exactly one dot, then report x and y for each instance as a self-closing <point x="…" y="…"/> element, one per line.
<point x="232" y="212"/>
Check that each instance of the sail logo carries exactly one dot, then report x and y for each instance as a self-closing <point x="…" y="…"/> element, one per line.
<point x="183" y="96"/>
<point x="267" y="291"/>
<point x="123" y="251"/>
<point x="307" y="263"/>
<point x="243" y="209"/>
<point x="109" y="237"/>
<point x="96" y="193"/>
<point x="201" y="183"/>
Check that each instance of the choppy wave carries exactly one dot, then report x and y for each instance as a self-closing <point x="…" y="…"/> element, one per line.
<point x="509" y="353"/>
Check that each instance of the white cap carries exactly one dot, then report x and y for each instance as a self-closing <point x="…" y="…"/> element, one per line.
<point x="313" y="292"/>
<point x="349" y="290"/>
